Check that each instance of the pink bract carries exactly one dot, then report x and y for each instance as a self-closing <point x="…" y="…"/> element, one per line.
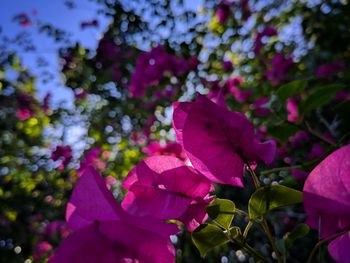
<point x="217" y="141"/>
<point x="103" y="232"/>
<point x="327" y="200"/>
<point x="293" y="110"/>
<point x="168" y="148"/>
<point x="164" y="187"/>
<point x="62" y="153"/>
<point x="92" y="158"/>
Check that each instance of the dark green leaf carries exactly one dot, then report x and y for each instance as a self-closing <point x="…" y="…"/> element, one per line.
<point x="298" y="232"/>
<point x="291" y="89"/>
<point x="283" y="131"/>
<point x="207" y="237"/>
<point x="222" y="212"/>
<point x="270" y="197"/>
<point x="320" y="96"/>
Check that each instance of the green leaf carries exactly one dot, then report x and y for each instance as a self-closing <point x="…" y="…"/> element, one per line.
<point x="320" y="96"/>
<point x="283" y="131"/>
<point x="299" y="231"/>
<point x="207" y="237"/>
<point x="270" y="197"/>
<point x="222" y="212"/>
<point x="291" y="89"/>
<point x="235" y="232"/>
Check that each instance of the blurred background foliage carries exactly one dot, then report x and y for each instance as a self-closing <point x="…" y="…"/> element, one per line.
<point x="282" y="63"/>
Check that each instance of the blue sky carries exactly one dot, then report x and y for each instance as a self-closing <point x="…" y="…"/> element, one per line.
<point x="55" y="12"/>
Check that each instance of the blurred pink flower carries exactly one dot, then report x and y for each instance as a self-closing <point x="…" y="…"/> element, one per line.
<point x="327" y="201"/>
<point x="92" y="158"/>
<point x="46" y="102"/>
<point x="329" y="69"/>
<point x="268" y="31"/>
<point x="280" y="65"/>
<point x="217" y="141"/>
<point x="293" y="110"/>
<point x="223" y="11"/>
<point x="227" y="65"/>
<point x="260" y="107"/>
<point x="62" y="153"/>
<point x="316" y="151"/>
<point x="25" y="109"/>
<point x="168" y="148"/>
<point x="23" y="19"/>
<point x="41" y="250"/>
<point x="152" y="66"/>
<point x="299" y="138"/>
<point x="298" y="174"/>
<point x="56" y="229"/>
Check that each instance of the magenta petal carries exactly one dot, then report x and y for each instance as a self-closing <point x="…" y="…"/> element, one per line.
<point x="218" y="141"/>
<point x="114" y="242"/>
<point x="148" y="200"/>
<point x="210" y="150"/>
<point x="91" y="201"/>
<point x="339" y="248"/>
<point x="327" y="193"/>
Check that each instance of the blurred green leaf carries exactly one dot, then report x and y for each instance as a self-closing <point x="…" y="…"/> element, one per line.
<point x="291" y="89"/>
<point x="320" y="96"/>
<point x="299" y="231"/>
<point x="222" y="212"/>
<point x="283" y="131"/>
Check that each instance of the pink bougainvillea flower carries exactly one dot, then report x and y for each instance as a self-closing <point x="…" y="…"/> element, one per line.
<point x="299" y="138"/>
<point x="103" y="232"/>
<point x="164" y="187"/>
<point x="260" y="107"/>
<point x="168" y="148"/>
<point x="329" y="69"/>
<point x="227" y="65"/>
<point x="298" y="174"/>
<point x="217" y="141"/>
<point x="241" y="95"/>
<point x="293" y="110"/>
<point x="280" y="65"/>
<point x="25" y="108"/>
<point x="46" y="103"/>
<point x="223" y="11"/>
<point x="316" y="151"/>
<point x="268" y="31"/>
<point x="92" y="158"/>
<point x="23" y="19"/>
<point x="56" y="230"/>
<point x="152" y="66"/>
<point x="62" y="153"/>
<point x="327" y="200"/>
<point x="41" y="250"/>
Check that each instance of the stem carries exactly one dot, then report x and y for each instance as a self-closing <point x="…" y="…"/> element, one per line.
<point x="271" y="239"/>
<point x="324" y="241"/>
<point x="248" y="249"/>
<point x="264" y="222"/>
<point x="254" y="176"/>
<point x="315" y="134"/>
<point x="247" y="228"/>
<point x="239" y="211"/>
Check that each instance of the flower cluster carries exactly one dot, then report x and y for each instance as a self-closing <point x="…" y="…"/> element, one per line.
<point x="152" y="66"/>
<point x="161" y="188"/>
